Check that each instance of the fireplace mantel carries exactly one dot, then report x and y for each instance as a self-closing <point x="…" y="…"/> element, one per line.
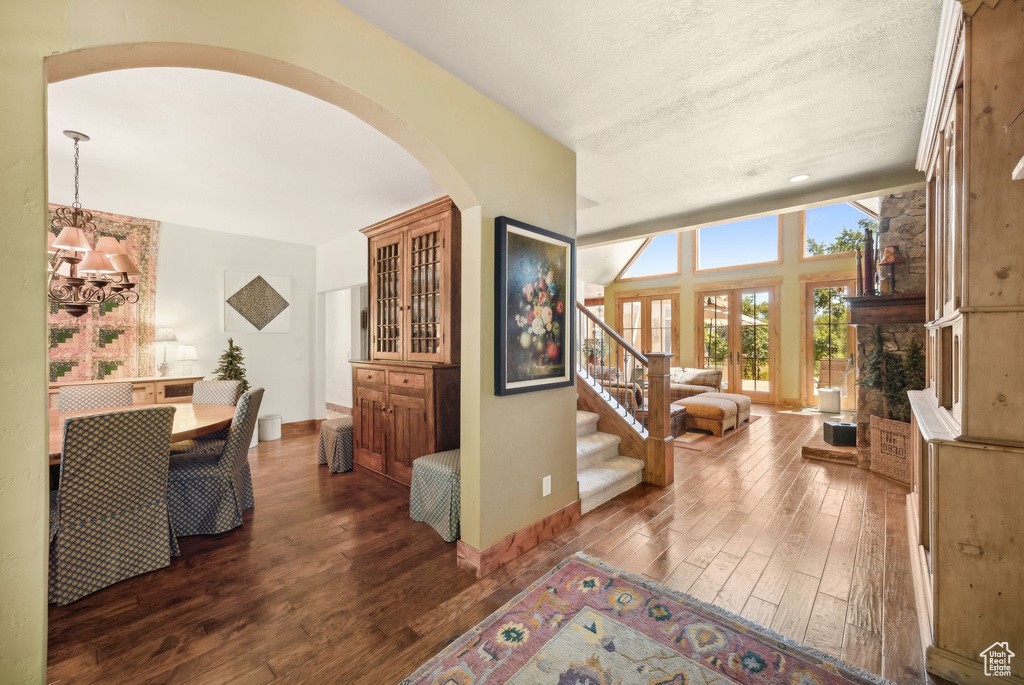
<point x="896" y="308"/>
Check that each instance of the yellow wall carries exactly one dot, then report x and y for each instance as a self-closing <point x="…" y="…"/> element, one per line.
<point x="487" y="159"/>
<point x="789" y="271"/>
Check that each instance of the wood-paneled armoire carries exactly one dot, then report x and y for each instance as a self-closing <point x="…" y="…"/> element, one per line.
<point x="965" y="512"/>
<point x="406" y="395"/>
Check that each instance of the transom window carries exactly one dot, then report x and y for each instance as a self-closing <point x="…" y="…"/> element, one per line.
<point x="658" y="256"/>
<point x="836" y="229"/>
<point x="738" y="245"/>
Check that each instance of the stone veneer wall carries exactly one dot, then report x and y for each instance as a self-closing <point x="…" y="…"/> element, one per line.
<point x="901" y="222"/>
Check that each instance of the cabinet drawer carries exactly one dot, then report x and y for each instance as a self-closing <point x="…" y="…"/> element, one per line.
<point x="371" y="375"/>
<point x="412" y="381"/>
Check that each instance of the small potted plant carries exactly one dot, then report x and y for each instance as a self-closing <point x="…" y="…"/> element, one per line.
<point x="232" y="368"/>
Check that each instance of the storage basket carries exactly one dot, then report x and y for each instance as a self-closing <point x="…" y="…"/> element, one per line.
<point x="890" y="449"/>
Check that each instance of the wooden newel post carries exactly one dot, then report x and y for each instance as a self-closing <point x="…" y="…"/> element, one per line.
<point x="660" y="468"/>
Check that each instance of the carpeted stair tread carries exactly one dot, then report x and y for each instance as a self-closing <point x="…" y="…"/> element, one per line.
<point x="594" y="448"/>
<point x="586" y="422"/>
<point x="606" y="479"/>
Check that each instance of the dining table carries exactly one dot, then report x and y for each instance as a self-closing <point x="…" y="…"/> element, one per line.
<point x="190" y="421"/>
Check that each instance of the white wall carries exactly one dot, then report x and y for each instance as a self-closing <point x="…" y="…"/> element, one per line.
<point x="341" y="263"/>
<point x="190" y="299"/>
<point x="339" y="347"/>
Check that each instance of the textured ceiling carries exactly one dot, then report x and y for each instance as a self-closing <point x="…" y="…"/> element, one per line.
<point x="674" y="106"/>
<point x="227" y="153"/>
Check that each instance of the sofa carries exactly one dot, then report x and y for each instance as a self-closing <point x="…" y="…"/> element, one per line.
<point x="686" y="382"/>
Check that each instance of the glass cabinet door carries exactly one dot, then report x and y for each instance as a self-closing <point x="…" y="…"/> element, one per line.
<point x="387" y="297"/>
<point x="427" y="287"/>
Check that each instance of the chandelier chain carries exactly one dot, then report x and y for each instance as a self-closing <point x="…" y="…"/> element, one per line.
<point x="77" y="204"/>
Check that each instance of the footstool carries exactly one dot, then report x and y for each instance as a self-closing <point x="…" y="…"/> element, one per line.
<point x="709" y="413"/>
<point x="434" y="495"/>
<point x="742" y="403"/>
<point x="336" y="444"/>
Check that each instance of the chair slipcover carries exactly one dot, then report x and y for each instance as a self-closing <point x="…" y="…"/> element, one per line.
<point x="109" y="519"/>
<point x="207" y="493"/>
<point x="336" y="444"/>
<point x="434" y="496"/>
<point x="100" y="396"/>
<point x="216" y="392"/>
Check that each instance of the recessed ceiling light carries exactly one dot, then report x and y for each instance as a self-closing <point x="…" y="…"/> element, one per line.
<point x="799" y="177"/>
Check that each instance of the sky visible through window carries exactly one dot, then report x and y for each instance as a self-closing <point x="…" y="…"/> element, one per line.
<point x="661" y="256"/>
<point x="742" y="242"/>
<point x="825" y="223"/>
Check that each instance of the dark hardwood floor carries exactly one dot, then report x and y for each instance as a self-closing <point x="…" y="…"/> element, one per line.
<point x="330" y="581"/>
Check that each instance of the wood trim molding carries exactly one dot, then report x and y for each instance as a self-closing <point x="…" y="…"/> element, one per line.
<point x="945" y="56"/>
<point x="296" y="428"/>
<point x="340" y="408"/>
<point x="972" y="6"/>
<point x="802" y="255"/>
<point x="523" y="540"/>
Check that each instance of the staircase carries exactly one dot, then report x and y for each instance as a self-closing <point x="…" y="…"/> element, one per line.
<point x="601" y="471"/>
<point x="627" y="393"/>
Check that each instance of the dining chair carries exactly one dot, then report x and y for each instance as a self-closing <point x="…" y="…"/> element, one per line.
<point x="210" y="392"/>
<point x="99" y="396"/>
<point x="109" y="518"/>
<point x="207" y="493"/>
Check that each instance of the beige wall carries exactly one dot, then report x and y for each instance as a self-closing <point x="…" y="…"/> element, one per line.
<point x="487" y="159"/>
<point x="790" y="271"/>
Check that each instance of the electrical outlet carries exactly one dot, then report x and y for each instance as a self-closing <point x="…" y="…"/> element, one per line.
<point x="545" y="486"/>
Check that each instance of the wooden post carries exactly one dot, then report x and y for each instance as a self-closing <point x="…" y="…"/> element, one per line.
<point x="660" y="468"/>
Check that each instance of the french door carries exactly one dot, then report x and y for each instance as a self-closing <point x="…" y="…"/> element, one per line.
<point x="737" y="333"/>
<point x="650" y="321"/>
<point x="829" y="341"/>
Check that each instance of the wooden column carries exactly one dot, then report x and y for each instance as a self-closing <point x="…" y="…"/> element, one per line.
<point x="660" y="466"/>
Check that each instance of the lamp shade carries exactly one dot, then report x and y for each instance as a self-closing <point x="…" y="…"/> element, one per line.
<point x="50" y="249"/>
<point x="123" y="264"/>
<point x="165" y="335"/>
<point x="187" y="353"/>
<point x="892" y="255"/>
<point x="95" y="263"/>
<point x="72" y="238"/>
<point x="108" y="245"/>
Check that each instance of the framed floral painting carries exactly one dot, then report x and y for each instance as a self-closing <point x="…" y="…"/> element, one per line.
<point x="535" y="271"/>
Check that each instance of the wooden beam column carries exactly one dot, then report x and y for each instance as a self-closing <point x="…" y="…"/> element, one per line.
<point x="660" y="467"/>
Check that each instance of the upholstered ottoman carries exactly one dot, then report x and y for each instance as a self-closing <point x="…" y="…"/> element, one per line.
<point x="742" y="403"/>
<point x="709" y="413"/>
<point x="434" y="495"/>
<point x="336" y="444"/>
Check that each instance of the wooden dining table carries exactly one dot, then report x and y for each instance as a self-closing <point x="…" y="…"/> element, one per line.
<point x="190" y="421"/>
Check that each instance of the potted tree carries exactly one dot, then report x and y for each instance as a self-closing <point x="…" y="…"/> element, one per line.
<point x="892" y="375"/>
<point x="232" y="368"/>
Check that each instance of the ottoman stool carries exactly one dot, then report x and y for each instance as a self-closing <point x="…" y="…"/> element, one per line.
<point x="709" y="413"/>
<point x="336" y="444"/>
<point x="742" y="403"/>
<point x="435" y="491"/>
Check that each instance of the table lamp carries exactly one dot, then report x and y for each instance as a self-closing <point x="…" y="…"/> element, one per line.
<point x="165" y="335"/>
<point x="187" y="355"/>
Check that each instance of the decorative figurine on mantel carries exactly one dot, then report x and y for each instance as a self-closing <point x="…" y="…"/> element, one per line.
<point x="869" y="263"/>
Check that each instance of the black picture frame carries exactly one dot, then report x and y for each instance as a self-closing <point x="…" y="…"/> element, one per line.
<point x="510" y="371"/>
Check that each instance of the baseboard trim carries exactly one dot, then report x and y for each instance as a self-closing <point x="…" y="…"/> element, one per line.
<point x="959" y="669"/>
<point x="518" y="543"/>
<point x="297" y="428"/>
<point x="340" y="408"/>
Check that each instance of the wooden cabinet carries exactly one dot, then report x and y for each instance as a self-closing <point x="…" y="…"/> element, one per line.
<point x="967" y="437"/>
<point x="403" y="411"/>
<point x="414" y="266"/>
<point x="152" y="390"/>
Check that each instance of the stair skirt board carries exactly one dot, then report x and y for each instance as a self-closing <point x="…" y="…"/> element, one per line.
<point x="612" y="477"/>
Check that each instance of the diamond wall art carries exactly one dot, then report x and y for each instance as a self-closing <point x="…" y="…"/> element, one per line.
<point x="256" y="302"/>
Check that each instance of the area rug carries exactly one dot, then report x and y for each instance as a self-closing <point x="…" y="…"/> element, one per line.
<point x="699" y="440"/>
<point x="588" y="623"/>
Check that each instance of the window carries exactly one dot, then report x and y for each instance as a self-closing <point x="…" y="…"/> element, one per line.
<point x="741" y="244"/>
<point x="658" y="256"/>
<point x="835" y="230"/>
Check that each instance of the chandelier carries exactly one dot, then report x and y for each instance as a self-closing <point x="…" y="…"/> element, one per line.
<point x="82" y="276"/>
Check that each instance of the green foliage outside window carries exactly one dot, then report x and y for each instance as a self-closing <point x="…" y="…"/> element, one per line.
<point x="848" y="240"/>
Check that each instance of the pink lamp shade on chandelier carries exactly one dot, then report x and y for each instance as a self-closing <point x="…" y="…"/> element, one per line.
<point x="108" y="245"/>
<point x="96" y="262"/>
<point x="123" y="264"/>
<point x="72" y="238"/>
<point x="50" y="249"/>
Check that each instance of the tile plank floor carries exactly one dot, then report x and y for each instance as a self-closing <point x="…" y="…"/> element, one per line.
<point x="329" y="580"/>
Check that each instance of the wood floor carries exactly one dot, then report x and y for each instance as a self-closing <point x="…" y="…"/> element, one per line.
<point x="329" y="580"/>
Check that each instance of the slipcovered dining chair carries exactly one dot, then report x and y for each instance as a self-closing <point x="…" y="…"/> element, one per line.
<point x="100" y="396"/>
<point x="210" y="392"/>
<point x="109" y="518"/>
<point x="207" y="493"/>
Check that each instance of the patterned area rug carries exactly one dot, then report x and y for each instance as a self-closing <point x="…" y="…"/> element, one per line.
<point x="587" y="623"/>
